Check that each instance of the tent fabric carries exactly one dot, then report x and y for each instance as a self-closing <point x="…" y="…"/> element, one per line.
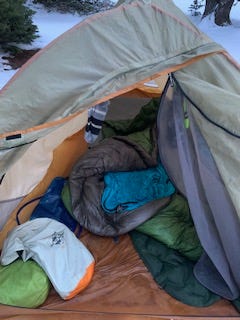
<point x="132" y="18"/>
<point x="74" y="146"/>
<point x="222" y="111"/>
<point x="217" y="269"/>
<point x="42" y="103"/>
<point x="39" y="157"/>
<point x="122" y="287"/>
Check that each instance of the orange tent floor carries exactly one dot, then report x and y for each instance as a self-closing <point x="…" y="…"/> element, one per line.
<point x="121" y="288"/>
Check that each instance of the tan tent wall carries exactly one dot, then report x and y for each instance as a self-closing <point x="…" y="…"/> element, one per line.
<point x="36" y="160"/>
<point x="64" y="156"/>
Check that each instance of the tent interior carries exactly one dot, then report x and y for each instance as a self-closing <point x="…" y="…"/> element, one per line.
<point x="122" y="286"/>
<point x="163" y="245"/>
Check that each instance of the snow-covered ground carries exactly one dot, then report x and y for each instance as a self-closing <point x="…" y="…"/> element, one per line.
<point x="227" y="36"/>
<point x="53" y="24"/>
<point x="50" y="26"/>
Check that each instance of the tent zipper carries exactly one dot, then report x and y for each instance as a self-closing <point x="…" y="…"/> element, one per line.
<point x="170" y="83"/>
<point x="174" y="81"/>
<point x="185" y="114"/>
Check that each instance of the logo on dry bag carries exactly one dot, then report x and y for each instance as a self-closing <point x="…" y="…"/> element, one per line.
<point x="57" y="238"/>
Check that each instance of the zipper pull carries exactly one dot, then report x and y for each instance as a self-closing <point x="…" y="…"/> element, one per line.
<point x="171" y="80"/>
<point x="185" y="115"/>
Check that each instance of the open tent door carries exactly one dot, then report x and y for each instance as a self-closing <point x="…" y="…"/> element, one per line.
<point x="192" y="168"/>
<point x="120" y="275"/>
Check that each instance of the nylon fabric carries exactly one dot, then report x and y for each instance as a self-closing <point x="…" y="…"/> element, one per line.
<point x="122" y="287"/>
<point x="123" y="65"/>
<point x="125" y="191"/>
<point x="56" y="249"/>
<point x="52" y="206"/>
<point x="23" y="284"/>
<point x="172" y="271"/>
<point x="174" y="227"/>
<point x="86" y="183"/>
<point x="209" y="216"/>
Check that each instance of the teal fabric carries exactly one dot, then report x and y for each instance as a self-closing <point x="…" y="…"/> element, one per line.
<point x="23" y="284"/>
<point x="174" y="227"/>
<point x="172" y="271"/>
<point x="125" y="191"/>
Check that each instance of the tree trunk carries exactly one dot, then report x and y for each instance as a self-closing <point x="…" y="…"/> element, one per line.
<point x="221" y="9"/>
<point x="209" y="7"/>
<point x="222" y="12"/>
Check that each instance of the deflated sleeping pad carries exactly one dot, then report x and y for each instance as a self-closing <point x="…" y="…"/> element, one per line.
<point x="125" y="191"/>
<point x="135" y="151"/>
<point x="172" y="271"/>
<point x="174" y="227"/>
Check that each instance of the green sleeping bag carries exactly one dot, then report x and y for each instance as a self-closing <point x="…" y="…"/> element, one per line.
<point x="172" y="271"/>
<point x="174" y="227"/>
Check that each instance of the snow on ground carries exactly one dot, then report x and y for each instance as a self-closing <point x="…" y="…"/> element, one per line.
<point x="227" y="36"/>
<point x="50" y="26"/>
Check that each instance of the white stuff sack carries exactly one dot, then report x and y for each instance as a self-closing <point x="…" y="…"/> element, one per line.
<point x="67" y="262"/>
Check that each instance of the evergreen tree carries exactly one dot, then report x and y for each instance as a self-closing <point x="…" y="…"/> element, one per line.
<point x="16" y="23"/>
<point x="79" y="6"/>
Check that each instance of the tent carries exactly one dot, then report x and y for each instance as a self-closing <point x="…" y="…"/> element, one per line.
<point x="137" y="50"/>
